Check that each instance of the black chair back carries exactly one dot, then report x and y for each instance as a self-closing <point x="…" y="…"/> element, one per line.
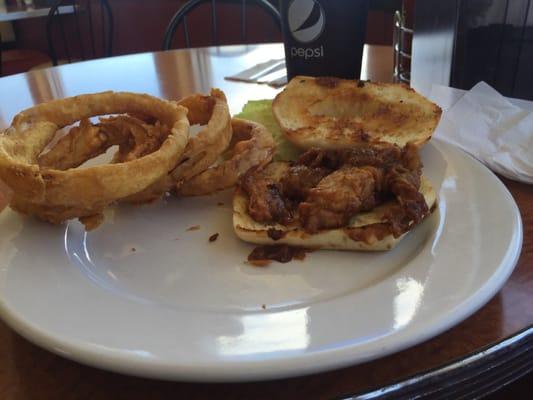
<point x="181" y="18"/>
<point x="88" y="47"/>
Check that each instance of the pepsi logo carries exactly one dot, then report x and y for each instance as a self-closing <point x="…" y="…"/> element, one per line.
<point x="306" y="20"/>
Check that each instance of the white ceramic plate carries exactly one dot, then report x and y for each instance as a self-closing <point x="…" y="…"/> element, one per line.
<point x="143" y="295"/>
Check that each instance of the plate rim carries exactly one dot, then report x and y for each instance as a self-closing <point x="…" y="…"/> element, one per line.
<point x="297" y="364"/>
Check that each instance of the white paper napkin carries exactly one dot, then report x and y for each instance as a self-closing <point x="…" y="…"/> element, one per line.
<point x="491" y="128"/>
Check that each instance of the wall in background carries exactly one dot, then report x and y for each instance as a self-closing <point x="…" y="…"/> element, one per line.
<point x="140" y="26"/>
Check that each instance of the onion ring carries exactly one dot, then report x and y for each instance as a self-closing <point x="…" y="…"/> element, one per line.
<point x="253" y="146"/>
<point x="56" y="195"/>
<point x="81" y="143"/>
<point x="134" y="137"/>
<point x="202" y="149"/>
<point x="143" y="138"/>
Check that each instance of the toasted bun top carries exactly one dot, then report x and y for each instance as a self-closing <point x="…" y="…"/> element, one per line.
<point x="333" y="113"/>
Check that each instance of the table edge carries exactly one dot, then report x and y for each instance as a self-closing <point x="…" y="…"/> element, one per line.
<point x="478" y="373"/>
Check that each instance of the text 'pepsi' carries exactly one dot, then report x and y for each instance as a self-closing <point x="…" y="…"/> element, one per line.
<point x="324" y="37"/>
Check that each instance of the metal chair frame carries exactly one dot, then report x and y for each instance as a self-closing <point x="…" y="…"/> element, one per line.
<point x="181" y="16"/>
<point x="55" y="16"/>
<point x="401" y="53"/>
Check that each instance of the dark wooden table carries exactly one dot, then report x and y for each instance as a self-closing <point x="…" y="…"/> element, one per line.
<point x="484" y="352"/>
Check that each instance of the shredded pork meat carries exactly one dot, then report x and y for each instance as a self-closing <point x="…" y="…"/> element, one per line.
<point x="300" y="179"/>
<point x="266" y="203"/>
<point x="376" y="155"/>
<point x="324" y="189"/>
<point x="338" y="196"/>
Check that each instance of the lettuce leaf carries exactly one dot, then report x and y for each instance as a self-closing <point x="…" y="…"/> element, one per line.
<point x="260" y="111"/>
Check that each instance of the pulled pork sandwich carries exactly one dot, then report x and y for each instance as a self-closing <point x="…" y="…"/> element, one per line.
<point x="349" y="189"/>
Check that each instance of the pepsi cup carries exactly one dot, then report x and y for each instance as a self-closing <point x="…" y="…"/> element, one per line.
<point x="324" y="37"/>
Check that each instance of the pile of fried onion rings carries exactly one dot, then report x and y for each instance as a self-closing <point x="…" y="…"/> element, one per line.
<point x="45" y="154"/>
